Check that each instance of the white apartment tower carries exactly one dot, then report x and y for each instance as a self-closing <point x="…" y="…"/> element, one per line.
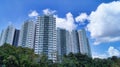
<point x="7" y="35"/>
<point x="83" y="43"/>
<point x="27" y="33"/>
<point x="61" y="43"/>
<point x="74" y="41"/>
<point x="45" y="36"/>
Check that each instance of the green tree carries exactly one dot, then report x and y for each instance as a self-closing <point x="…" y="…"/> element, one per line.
<point x="11" y="56"/>
<point x="11" y="61"/>
<point x="17" y="56"/>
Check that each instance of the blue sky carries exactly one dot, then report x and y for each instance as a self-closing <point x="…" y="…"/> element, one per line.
<point x="16" y="11"/>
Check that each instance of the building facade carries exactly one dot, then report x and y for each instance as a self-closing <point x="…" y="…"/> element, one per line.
<point x="61" y="43"/>
<point x="45" y="36"/>
<point x="27" y="33"/>
<point x="16" y="37"/>
<point x="83" y="43"/>
<point x="74" y="41"/>
<point x="7" y="35"/>
<point x="2" y="37"/>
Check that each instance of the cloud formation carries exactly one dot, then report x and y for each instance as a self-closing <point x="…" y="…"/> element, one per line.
<point x="81" y="18"/>
<point x="33" y="14"/>
<point x="104" y="23"/>
<point x="96" y="55"/>
<point x="109" y="53"/>
<point x="66" y="23"/>
<point x="113" y="52"/>
<point x="48" y="11"/>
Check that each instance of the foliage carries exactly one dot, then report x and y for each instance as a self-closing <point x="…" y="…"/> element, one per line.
<point x="11" y="56"/>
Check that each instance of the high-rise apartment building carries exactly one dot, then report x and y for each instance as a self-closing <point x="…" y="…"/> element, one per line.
<point x="89" y="49"/>
<point x="71" y="43"/>
<point x="7" y="35"/>
<point x="74" y="41"/>
<point x="45" y="36"/>
<point x="27" y="33"/>
<point x="83" y="43"/>
<point x="16" y="37"/>
<point x="68" y="42"/>
<point x="1" y="37"/>
<point x="61" y="43"/>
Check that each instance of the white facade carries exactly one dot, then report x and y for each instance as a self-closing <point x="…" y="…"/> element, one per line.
<point x="7" y="35"/>
<point x="2" y="38"/>
<point x="83" y="43"/>
<point x="68" y="42"/>
<point x="77" y="42"/>
<point x="74" y="41"/>
<point x="61" y="43"/>
<point x="27" y="33"/>
<point x="45" y="37"/>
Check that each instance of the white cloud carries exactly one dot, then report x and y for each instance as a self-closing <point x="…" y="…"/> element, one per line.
<point x="102" y="56"/>
<point x="66" y="23"/>
<point x="48" y="11"/>
<point x="113" y="52"/>
<point x="82" y="17"/>
<point x="104" y="23"/>
<point x="33" y="14"/>
<point x="109" y="53"/>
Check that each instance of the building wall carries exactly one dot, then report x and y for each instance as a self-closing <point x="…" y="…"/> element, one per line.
<point x="83" y="43"/>
<point x="16" y="37"/>
<point x="7" y="35"/>
<point x="2" y="38"/>
<point x="61" y="43"/>
<point x="27" y="33"/>
<point x="74" y="41"/>
<point x="68" y="42"/>
<point x="89" y="49"/>
<point x="10" y="34"/>
<point x="45" y="38"/>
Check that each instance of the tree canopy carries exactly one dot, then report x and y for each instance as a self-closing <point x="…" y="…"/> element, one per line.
<point x="11" y="56"/>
